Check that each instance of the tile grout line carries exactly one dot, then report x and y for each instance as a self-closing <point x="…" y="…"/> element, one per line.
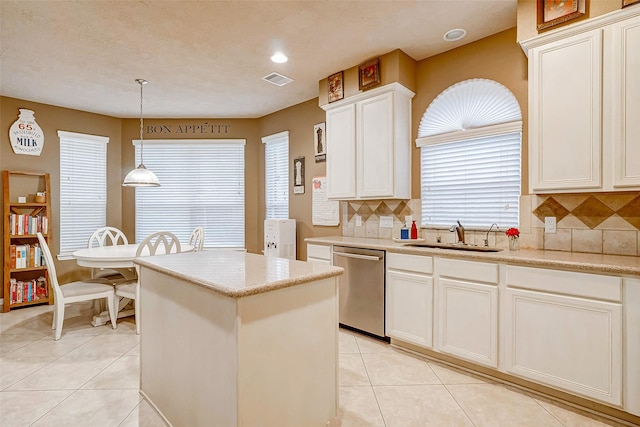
<point x="446" y="387"/>
<point x="370" y="383"/>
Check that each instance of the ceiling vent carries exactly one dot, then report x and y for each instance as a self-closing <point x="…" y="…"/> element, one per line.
<point x="277" y="79"/>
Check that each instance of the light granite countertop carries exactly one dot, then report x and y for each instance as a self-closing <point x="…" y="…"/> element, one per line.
<point x="575" y="261"/>
<point x="238" y="274"/>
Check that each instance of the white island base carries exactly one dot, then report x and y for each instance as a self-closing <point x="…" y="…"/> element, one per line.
<point x="265" y="359"/>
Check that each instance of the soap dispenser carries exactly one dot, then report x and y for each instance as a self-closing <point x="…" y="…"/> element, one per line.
<point x="404" y="232"/>
<point x="414" y="230"/>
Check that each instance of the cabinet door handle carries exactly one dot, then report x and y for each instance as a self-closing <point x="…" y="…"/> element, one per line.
<point x="358" y="256"/>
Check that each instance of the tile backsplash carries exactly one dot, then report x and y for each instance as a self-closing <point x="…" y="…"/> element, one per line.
<point x="606" y="223"/>
<point x="370" y="211"/>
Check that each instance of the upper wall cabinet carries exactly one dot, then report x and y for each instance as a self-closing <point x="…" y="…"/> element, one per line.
<point x="584" y="100"/>
<point x="369" y="145"/>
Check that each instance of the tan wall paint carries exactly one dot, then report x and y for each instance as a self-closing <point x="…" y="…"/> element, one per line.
<point x="51" y="119"/>
<point x="238" y="129"/>
<point x="298" y="120"/>
<point x="527" y="15"/>
<point x="498" y="58"/>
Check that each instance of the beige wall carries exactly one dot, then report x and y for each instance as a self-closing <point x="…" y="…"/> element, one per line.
<point x="497" y="57"/>
<point x="298" y="120"/>
<point x="527" y="15"/>
<point x="193" y="129"/>
<point x="51" y="119"/>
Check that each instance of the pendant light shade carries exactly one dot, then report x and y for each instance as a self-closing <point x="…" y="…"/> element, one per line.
<point x="141" y="176"/>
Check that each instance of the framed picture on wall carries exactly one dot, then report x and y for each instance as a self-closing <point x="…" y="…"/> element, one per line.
<point x="319" y="142"/>
<point x="555" y="12"/>
<point x="335" y="84"/>
<point x="298" y="175"/>
<point x="369" y="74"/>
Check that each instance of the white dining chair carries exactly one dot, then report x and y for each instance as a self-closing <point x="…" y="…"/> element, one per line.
<point x="197" y="239"/>
<point x="75" y="291"/>
<point x="109" y="236"/>
<point x="161" y="242"/>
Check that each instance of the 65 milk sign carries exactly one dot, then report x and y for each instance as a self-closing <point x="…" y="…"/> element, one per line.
<point x="25" y="135"/>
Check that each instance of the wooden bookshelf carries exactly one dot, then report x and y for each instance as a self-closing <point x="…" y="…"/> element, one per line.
<point x="25" y="184"/>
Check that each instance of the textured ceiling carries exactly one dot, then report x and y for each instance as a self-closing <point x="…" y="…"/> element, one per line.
<point x="207" y="58"/>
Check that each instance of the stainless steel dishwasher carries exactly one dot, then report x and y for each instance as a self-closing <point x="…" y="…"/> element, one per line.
<point x="361" y="288"/>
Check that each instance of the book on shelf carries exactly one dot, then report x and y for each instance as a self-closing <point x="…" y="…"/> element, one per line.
<point x="29" y="290"/>
<point x="21" y="224"/>
<point x="26" y="256"/>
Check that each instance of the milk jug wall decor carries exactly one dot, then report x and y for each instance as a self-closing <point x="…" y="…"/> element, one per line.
<point x="25" y="135"/>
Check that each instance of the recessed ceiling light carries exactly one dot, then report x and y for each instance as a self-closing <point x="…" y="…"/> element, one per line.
<point x="454" y="35"/>
<point x="279" y="58"/>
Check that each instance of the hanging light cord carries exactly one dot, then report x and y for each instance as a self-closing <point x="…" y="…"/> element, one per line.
<point x="142" y="82"/>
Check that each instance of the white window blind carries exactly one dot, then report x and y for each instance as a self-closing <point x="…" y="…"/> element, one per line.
<point x="476" y="181"/>
<point x="201" y="185"/>
<point x="83" y="189"/>
<point x="276" y="170"/>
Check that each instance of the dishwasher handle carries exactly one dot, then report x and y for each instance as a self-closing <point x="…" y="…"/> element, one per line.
<point x="358" y="256"/>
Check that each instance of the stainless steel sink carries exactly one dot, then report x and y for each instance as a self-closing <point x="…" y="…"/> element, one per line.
<point x="456" y="246"/>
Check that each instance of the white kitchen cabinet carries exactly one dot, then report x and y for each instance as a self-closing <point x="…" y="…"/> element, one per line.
<point x="622" y="100"/>
<point x="369" y="145"/>
<point x="467" y="310"/>
<point x="631" y="346"/>
<point x="319" y="253"/>
<point x="409" y="299"/>
<point x="558" y="334"/>
<point x="341" y="152"/>
<point x="583" y="105"/>
<point x="565" y="109"/>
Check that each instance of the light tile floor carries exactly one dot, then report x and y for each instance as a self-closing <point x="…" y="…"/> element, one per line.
<point x="90" y="378"/>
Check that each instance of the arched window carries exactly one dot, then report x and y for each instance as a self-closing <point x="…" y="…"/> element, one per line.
<point x="470" y="138"/>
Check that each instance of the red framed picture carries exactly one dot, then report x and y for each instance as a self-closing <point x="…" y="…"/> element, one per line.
<point x="369" y="74"/>
<point x="555" y="12"/>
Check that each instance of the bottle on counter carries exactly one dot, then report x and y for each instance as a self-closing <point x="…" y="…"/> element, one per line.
<point x="414" y="230"/>
<point x="404" y="232"/>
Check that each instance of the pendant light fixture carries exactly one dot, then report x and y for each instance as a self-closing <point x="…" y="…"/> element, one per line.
<point x="141" y="176"/>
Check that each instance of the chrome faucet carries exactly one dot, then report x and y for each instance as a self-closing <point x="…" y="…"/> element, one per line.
<point x="459" y="229"/>
<point x="486" y="240"/>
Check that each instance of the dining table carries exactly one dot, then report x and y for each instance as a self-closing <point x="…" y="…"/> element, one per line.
<point x="116" y="257"/>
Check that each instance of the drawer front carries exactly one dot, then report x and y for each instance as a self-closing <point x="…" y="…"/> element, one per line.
<point x="565" y="282"/>
<point x="319" y="252"/>
<point x="468" y="270"/>
<point x="416" y="263"/>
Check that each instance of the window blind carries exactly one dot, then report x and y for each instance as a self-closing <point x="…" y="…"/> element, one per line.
<point x="276" y="170"/>
<point x="476" y="181"/>
<point x="201" y="185"/>
<point x="83" y="189"/>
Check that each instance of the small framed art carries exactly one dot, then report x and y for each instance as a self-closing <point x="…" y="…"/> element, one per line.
<point x="319" y="142"/>
<point x="335" y="82"/>
<point x="369" y="74"/>
<point x="298" y="175"/>
<point x="555" y="12"/>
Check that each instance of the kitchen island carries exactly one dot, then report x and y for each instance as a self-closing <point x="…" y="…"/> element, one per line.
<point x="236" y="339"/>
